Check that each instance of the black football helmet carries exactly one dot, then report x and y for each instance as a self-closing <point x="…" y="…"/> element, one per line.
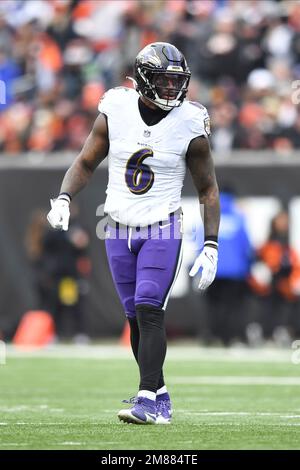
<point x="161" y="75"/>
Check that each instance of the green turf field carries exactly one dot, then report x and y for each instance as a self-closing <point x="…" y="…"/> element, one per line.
<point x="68" y="398"/>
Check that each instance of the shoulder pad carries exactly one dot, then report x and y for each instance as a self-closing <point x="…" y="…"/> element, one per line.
<point x="199" y="118"/>
<point x="111" y="99"/>
<point x="198" y="105"/>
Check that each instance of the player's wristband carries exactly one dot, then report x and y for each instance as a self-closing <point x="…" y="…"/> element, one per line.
<point x="211" y="241"/>
<point x="65" y="197"/>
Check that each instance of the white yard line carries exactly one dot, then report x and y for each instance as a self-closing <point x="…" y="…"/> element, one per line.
<point x="32" y="408"/>
<point x="14" y="444"/>
<point x="71" y="443"/>
<point x="237" y="413"/>
<point x="175" y="353"/>
<point x="239" y="424"/>
<point x="42" y="423"/>
<point x="280" y="419"/>
<point x="234" y="380"/>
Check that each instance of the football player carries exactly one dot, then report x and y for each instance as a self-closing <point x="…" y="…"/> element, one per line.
<point x="150" y="134"/>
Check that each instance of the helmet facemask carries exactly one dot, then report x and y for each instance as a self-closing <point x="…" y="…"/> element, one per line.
<point x="166" y="89"/>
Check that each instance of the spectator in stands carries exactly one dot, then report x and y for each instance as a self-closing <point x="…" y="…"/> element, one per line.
<point x="61" y="268"/>
<point x="9" y="72"/>
<point x="226" y="320"/>
<point x="244" y="55"/>
<point x="280" y="285"/>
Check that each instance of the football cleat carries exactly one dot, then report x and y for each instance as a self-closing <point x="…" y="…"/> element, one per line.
<point x="142" y="412"/>
<point x="163" y="409"/>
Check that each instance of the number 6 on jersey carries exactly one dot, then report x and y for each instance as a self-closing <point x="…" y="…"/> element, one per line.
<point x="138" y="176"/>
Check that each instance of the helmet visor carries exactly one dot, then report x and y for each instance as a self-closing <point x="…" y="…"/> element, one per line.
<point x="169" y="85"/>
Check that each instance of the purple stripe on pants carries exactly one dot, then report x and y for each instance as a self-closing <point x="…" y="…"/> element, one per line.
<point x="144" y="262"/>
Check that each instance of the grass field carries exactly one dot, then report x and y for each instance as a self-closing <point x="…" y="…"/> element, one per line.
<point x="68" y="398"/>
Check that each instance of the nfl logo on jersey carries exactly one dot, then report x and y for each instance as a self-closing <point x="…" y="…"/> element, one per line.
<point x="147" y="133"/>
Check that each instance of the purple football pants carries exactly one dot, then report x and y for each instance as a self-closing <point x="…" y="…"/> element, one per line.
<point x="144" y="261"/>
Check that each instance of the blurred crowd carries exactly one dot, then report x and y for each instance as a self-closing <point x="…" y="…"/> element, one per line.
<point x="256" y="294"/>
<point x="61" y="266"/>
<point x="57" y="57"/>
<point x="254" y="300"/>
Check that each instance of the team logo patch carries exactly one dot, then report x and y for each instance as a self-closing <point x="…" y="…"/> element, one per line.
<point x="207" y="125"/>
<point x="147" y="133"/>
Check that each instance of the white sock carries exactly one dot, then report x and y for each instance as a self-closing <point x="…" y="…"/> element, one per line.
<point x="162" y="390"/>
<point x="147" y="394"/>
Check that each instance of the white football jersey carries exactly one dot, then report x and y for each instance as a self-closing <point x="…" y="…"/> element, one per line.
<point x="147" y="163"/>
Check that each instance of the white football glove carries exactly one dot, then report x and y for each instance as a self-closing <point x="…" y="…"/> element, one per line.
<point x="59" y="215"/>
<point x="207" y="260"/>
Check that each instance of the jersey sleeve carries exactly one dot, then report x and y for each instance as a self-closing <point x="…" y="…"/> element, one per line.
<point x="106" y="103"/>
<point x="110" y="101"/>
<point x="199" y="124"/>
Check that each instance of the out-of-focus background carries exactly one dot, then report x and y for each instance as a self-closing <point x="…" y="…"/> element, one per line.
<point x="57" y="58"/>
